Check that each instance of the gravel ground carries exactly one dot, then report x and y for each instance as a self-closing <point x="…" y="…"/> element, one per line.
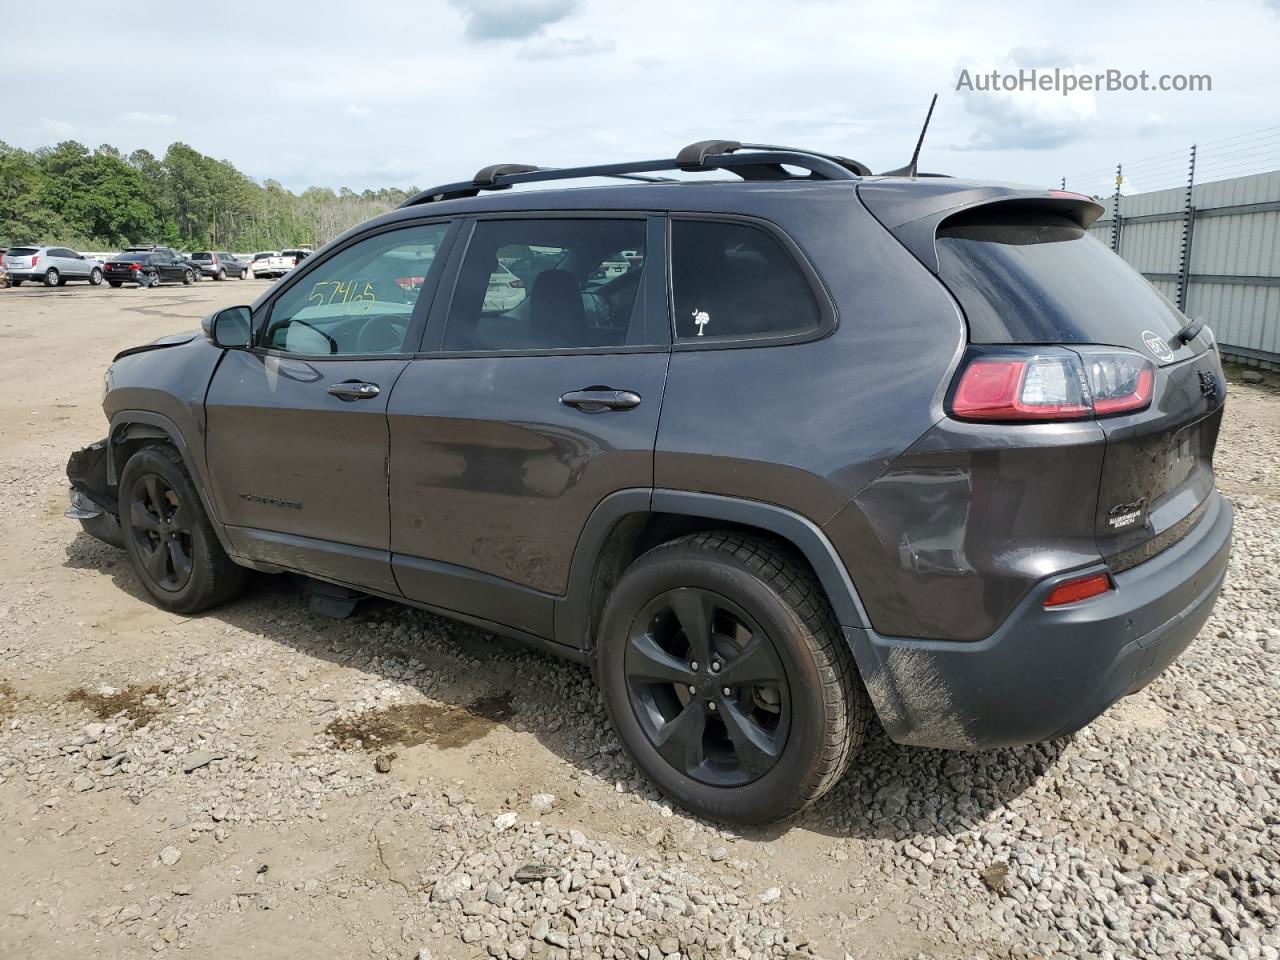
<point x="395" y="785"/>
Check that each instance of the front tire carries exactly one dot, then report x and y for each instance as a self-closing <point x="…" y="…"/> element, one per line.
<point x="168" y="537"/>
<point x="222" y="275"/>
<point x="95" y="277"/>
<point x="727" y="678"/>
<point x="52" y="278"/>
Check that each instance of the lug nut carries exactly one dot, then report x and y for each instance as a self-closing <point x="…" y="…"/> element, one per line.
<point x="711" y="706"/>
<point x="715" y="666"/>
<point x="727" y="691"/>
<point x="693" y="665"/>
<point x="692" y="688"/>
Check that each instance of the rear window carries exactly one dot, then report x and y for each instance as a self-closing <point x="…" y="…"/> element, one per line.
<point x="202" y="256"/>
<point x="1028" y="277"/>
<point x="23" y="251"/>
<point x="130" y="258"/>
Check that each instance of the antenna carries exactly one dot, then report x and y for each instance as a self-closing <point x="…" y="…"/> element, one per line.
<point x="910" y="169"/>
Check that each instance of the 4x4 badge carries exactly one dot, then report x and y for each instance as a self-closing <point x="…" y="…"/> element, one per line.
<point x="1158" y="346"/>
<point x="701" y="318"/>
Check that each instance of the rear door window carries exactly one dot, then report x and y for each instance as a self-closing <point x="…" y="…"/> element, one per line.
<point x="1023" y="276"/>
<point x="549" y="284"/>
<point x="735" y="281"/>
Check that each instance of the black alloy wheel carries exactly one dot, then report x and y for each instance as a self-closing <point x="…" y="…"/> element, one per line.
<point x="707" y="687"/>
<point x="161" y="525"/>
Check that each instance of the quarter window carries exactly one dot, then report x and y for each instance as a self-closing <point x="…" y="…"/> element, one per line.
<point x="733" y="281"/>
<point x="548" y="285"/>
<point x="360" y="300"/>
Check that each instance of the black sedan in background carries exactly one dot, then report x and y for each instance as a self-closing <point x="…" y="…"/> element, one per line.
<point x="146" y="268"/>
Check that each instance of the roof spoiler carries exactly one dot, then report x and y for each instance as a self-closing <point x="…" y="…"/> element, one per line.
<point x="914" y="213"/>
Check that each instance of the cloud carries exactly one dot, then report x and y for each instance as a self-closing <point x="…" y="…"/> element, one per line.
<point x="59" y="129"/>
<point x="511" y="19"/>
<point x="152" y="119"/>
<point x="561" y="48"/>
<point x="1025" y="119"/>
<point x="355" y="111"/>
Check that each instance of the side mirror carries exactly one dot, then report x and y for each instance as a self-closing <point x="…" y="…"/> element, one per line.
<point x="231" y="329"/>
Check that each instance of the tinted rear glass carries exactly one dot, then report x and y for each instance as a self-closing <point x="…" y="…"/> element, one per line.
<point x="202" y="256"/>
<point x="130" y="258"/>
<point x="23" y="251"/>
<point x="1024" y="277"/>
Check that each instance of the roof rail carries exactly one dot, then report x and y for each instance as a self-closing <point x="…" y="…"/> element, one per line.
<point x="750" y="161"/>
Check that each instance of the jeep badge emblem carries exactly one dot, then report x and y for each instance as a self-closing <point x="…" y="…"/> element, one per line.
<point x="1158" y="346"/>
<point x="701" y="318"/>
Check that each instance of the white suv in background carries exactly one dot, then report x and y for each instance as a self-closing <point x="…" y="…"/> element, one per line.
<point x="54" y="266"/>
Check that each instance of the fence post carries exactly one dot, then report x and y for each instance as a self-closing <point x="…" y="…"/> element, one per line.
<point x="1188" y="232"/>
<point x="1115" y="211"/>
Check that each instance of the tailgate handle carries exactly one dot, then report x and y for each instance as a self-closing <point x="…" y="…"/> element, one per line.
<point x="354" y="390"/>
<point x="600" y="399"/>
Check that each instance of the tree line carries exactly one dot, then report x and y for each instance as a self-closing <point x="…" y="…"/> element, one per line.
<point x="72" y="196"/>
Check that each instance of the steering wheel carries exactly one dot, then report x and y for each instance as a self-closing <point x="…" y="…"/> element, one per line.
<point x="382" y="334"/>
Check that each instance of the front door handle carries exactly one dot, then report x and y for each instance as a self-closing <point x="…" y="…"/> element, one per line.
<point x="354" y="390"/>
<point x="600" y="399"/>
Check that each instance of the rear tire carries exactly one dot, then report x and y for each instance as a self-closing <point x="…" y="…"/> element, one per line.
<point x="52" y="278"/>
<point x="95" y="277"/>
<point x="188" y="278"/>
<point x="168" y="537"/>
<point x="222" y="275"/>
<point x="796" y="711"/>
<point x="16" y="283"/>
<point x="114" y="283"/>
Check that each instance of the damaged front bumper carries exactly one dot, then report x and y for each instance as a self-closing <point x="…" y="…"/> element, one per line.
<point x="93" y="500"/>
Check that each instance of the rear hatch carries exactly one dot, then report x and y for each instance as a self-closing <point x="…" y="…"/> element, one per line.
<point x="21" y="258"/>
<point x="1033" y="283"/>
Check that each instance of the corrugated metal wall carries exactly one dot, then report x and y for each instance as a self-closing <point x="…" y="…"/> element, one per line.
<point x="1234" y="270"/>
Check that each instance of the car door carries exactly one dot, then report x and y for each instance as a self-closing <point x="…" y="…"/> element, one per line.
<point x="297" y="427"/>
<point x="536" y="397"/>
<point x="69" y="263"/>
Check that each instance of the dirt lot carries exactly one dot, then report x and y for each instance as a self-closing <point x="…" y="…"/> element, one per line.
<point x="263" y="780"/>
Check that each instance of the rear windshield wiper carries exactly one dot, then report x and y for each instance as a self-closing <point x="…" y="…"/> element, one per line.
<point x="1190" y="331"/>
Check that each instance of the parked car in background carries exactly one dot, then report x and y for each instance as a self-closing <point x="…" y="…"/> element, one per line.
<point x="184" y="258"/>
<point x="53" y="266"/>
<point x="147" y="268"/>
<point x="277" y="265"/>
<point x="218" y="265"/>
<point x="258" y="258"/>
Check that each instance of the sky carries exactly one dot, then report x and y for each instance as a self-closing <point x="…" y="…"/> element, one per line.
<point x="399" y="93"/>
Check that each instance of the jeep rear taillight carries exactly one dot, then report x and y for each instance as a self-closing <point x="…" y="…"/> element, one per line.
<point x="1036" y="385"/>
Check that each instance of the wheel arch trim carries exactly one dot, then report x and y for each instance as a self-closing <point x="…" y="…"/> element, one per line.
<point x="573" y="611"/>
<point x="158" y="426"/>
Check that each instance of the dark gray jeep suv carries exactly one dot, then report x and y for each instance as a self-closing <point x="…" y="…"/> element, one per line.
<point x="769" y="455"/>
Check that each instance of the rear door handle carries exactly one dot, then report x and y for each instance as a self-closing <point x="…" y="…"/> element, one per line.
<point x="354" y="390"/>
<point x="600" y="399"/>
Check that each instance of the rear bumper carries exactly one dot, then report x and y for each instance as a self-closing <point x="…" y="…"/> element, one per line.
<point x="1046" y="673"/>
